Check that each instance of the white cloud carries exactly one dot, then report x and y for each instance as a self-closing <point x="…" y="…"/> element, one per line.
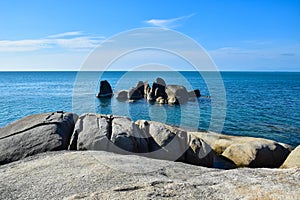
<point x="71" y="33"/>
<point x="168" y="23"/>
<point x="75" y="41"/>
<point x="23" y="45"/>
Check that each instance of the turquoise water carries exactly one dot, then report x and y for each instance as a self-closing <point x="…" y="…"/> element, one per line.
<point x="259" y="104"/>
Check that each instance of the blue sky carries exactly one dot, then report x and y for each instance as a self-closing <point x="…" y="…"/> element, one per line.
<point x="258" y="35"/>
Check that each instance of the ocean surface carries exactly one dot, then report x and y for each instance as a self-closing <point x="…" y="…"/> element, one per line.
<point x="258" y="104"/>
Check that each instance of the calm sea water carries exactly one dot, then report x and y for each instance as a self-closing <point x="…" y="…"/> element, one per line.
<point x="259" y="104"/>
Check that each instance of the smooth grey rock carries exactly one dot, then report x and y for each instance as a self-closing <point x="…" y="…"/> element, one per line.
<point x="140" y="86"/>
<point x="257" y="154"/>
<point x="247" y="151"/>
<point x="293" y="160"/>
<point x="178" y="92"/>
<point x="91" y="132"/>
<point x="160" y="81"/>
<point x="134" y="94"/>
<point x="105" y="90"/>
<point x="170" y="143"/>
<point x="199" y="152"/>
<point x="126" y="135"/>
<point x="159" y="89"/>
<point x="194" y="93"/>
<point x="102" y="175"/>
<point x="35" y="134"/>
<point x="122" y="95"/>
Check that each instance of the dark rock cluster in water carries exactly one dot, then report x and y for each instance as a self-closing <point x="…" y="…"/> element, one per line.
<point x="160" y="92"/>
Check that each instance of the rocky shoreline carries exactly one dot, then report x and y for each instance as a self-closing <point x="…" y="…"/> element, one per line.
<point x="23" y="141"/>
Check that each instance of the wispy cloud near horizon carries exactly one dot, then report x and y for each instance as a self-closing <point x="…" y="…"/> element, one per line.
<point x="75" y="40"/>
<point x="169" y="23"/>
<point x="66" y="34"/>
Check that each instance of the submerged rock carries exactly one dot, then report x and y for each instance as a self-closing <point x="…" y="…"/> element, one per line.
<point x="105" y="90"/>
<point x="36" y="134"/>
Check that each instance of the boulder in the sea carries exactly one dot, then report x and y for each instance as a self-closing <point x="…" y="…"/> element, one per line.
<point x="159" y="88"/>
<point x="161" y="100"/>
<point x="194" y="93"/>
<point x="141" y="87"/>
<point x="293" y="160"/>
<point x="178" y="92"/>
<point x="122" y="95"/>
<point x="35" y="134"/>
<point x="105" y="90"/>
<point x="146" y="89"/>
<point x="134" y="94"/>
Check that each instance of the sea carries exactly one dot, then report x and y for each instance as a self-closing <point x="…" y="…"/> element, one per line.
<point x="257" y="104"/>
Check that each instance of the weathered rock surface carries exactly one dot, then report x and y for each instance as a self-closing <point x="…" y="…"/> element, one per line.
<point x="35" y="134"/>
<point x="135" y="94"/>
<point x="194" y="93"/>
<point x="145" y="138"/>
<point x="122" y="95"/>
<point x="178" y="92"/>
<point x="170" y="143"/>
<point x="126" y="135"/>
<point x="105" y="90"/>
<point x="91" y="132"/>
<point x="293" y="160"/>
<point x="247" y="151"/>
<point x="103" y="175"/>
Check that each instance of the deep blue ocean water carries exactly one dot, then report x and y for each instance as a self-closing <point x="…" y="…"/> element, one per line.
<point x="259" y="104"/>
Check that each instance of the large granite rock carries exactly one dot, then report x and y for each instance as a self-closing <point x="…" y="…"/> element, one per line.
<point x="35" y="134"/>
<point x="293" y="160"/>
<point x="91" y="132"/>
<point x="171" y="143"/>
<point x="159" y="89"/>
<point x="177" y="92"/>
<point x="126" y="135"/>
<point x="122" y="95"/>
<point x="135" y="94"/>
<point x="102" y="175"/>
<point x="105" y="90"/>
<point x="107" y="133"/>
<point x="247" y="151"/>
<point x="141" y="87"/>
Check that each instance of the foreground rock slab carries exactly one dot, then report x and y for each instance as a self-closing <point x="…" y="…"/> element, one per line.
<point x="35" y="134"/>
<point x="103" y="175"/>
